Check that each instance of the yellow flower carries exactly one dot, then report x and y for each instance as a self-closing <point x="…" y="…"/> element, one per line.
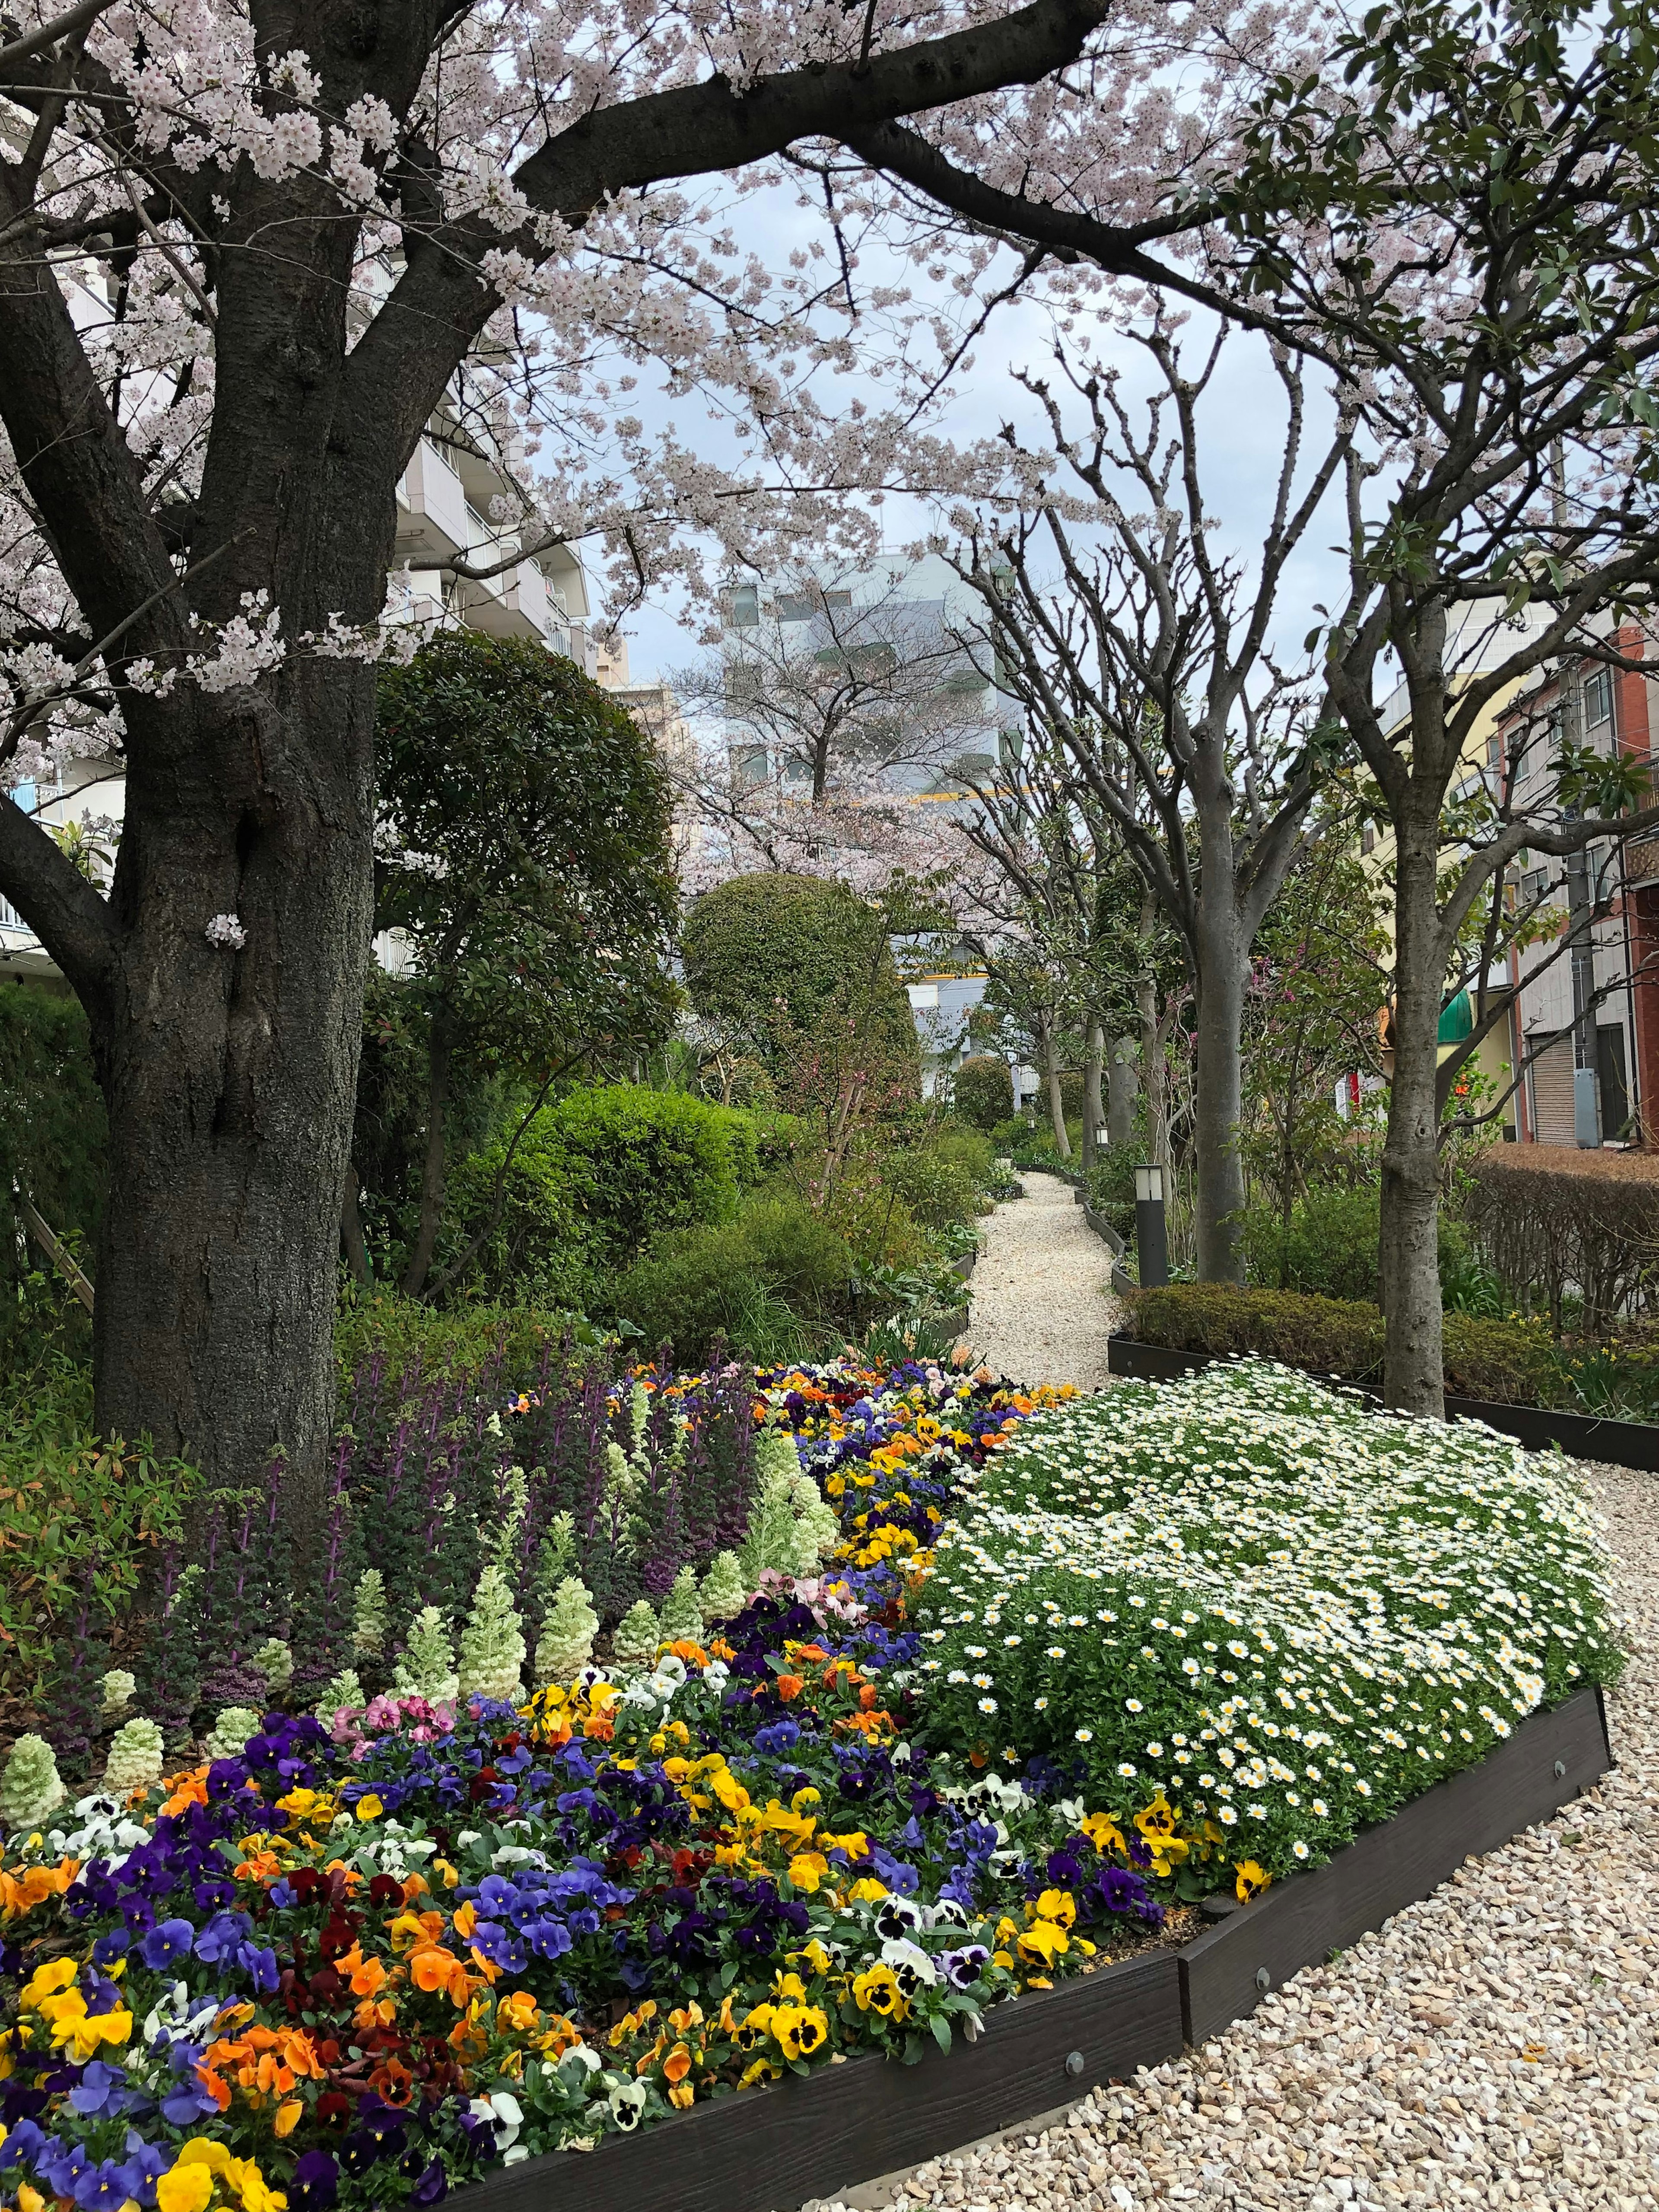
<point x="807" y="1869"/>
<point x="45" y="1982"/>
<point x="1252" y="1881"/>
<point x="866" y="1890"/>
<point x="1159" y="1820"/>
<point x="801" y="2030"/>
<point x="1103" y="1833"/>
<point x="184" y="2189"/>
<point x="369" y="1807"/>
<point x="729" y="1791"/>
<point x="876" y="1991"/>
<point x="1055" y="1904"/>
<point x="201" y="2150"/>
<point x="1042" y="1943"/>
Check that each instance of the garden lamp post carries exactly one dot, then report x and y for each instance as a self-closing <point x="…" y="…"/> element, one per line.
<point x="1151" y="1245"/>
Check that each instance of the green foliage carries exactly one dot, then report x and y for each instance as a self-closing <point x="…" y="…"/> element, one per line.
<point x="72" y="1507"/>
<point x="943" y="1181"/>
<point x="778" y="1278"/>
<point x="1111" y="1186"/>
<point x="54" y="1141"/>
<point x="642" y="1162"/>
<point x="983" y="1090"/>
<point x="774" y="960"/>
<point x="596" y="1177"/>
<point x="1310" y="1017"/>
<point x="525" y="866"/>
<point x="456" y="1339"/>
<point x="1328" y="1246"/>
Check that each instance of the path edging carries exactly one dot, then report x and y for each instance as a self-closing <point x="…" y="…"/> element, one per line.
<point x="771" y="2149"/>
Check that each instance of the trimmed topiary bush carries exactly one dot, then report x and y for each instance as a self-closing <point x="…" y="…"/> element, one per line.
<point x="982" y="1091"/>
<point x="769" y="957"/>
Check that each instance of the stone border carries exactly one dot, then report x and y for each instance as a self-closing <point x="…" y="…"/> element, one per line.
<point x="773" y="2150"/>
<point x="1584" y="1436"/>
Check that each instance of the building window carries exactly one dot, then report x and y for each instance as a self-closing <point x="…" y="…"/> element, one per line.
<point x="1368" y="838"/>
<point x="746" y="607"/>
<point x="1598" y="698"/>
<point x="793" y="606"/>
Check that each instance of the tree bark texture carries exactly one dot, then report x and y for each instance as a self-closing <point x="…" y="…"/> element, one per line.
<point x="1408" y="1257"/>
<point x="1093" y="1114"/>
<point x="1218" y="1168"/>
<point x="1123" y="1088"/>
<point x="1056" y="1102"/>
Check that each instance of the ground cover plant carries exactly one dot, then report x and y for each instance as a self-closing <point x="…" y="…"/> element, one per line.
<point x="1251" y="1599"/>
<point x="359" y="1950"/>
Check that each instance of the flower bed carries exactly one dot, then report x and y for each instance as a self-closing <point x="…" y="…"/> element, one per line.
<point x="1246" y="1595"/>
<point x="364" y="1960"/>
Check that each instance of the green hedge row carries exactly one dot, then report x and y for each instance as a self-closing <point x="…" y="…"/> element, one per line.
<point x="1509" y="1363"/>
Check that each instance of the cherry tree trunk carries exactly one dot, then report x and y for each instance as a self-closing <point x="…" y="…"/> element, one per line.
<point x="230" y="1075"/>
<point x="1408" y="1257"/>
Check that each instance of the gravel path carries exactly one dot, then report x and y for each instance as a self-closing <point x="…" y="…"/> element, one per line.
<point x="1041" y="1311"/>
<point x="1495" y="2045"/>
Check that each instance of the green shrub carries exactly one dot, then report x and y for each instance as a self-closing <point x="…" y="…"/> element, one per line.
<point x="770" y="957"/>
<point x="778" y="1277"/>
<point x="536" y="1251"/>
<point x="1111" y="1186"/>
<point x="77" y="1518"/>
<point x="642" y="1162"/>
<point x="596" y="1177"/>
<point x="983" y="1090"/>
<point x="455" y="1339"/>
<point x="1328" y="1246"/>
<point x="1326" y="1336"/>
<point x="54" y="1141"/>
<point x="943" y="1181"/>
<point x="1505" y="1362"/>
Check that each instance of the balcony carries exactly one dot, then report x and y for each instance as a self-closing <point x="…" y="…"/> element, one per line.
<point x="515" y="604"/>
<point x="431" y="510"/>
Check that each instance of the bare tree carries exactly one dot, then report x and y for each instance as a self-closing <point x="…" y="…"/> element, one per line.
<point x="838" y="709"/>
<point x="1146" y="660"/>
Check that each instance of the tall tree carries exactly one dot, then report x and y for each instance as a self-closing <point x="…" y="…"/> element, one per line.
<point x="524" y="870"/>
<point x="1454" y="214"/>
<point x="1144" y="653"/>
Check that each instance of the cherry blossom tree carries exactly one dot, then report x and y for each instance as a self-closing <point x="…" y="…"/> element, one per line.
<point x="245" y="252"/>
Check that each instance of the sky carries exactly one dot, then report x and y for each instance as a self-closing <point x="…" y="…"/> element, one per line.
<point x="1242" y="419"/>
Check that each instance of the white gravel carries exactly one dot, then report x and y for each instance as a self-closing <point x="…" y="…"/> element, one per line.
<point x="1041" y="1305"/>
<point x="1496" y="2045"/>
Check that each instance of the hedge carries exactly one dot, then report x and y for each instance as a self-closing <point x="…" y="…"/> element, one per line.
<point x="1508" y="1362"/>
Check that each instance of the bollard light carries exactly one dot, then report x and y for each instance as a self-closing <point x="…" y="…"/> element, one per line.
<point x="1151" y="1241"/>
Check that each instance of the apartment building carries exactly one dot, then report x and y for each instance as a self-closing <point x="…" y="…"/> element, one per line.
<point x="1584" y="1019"/>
